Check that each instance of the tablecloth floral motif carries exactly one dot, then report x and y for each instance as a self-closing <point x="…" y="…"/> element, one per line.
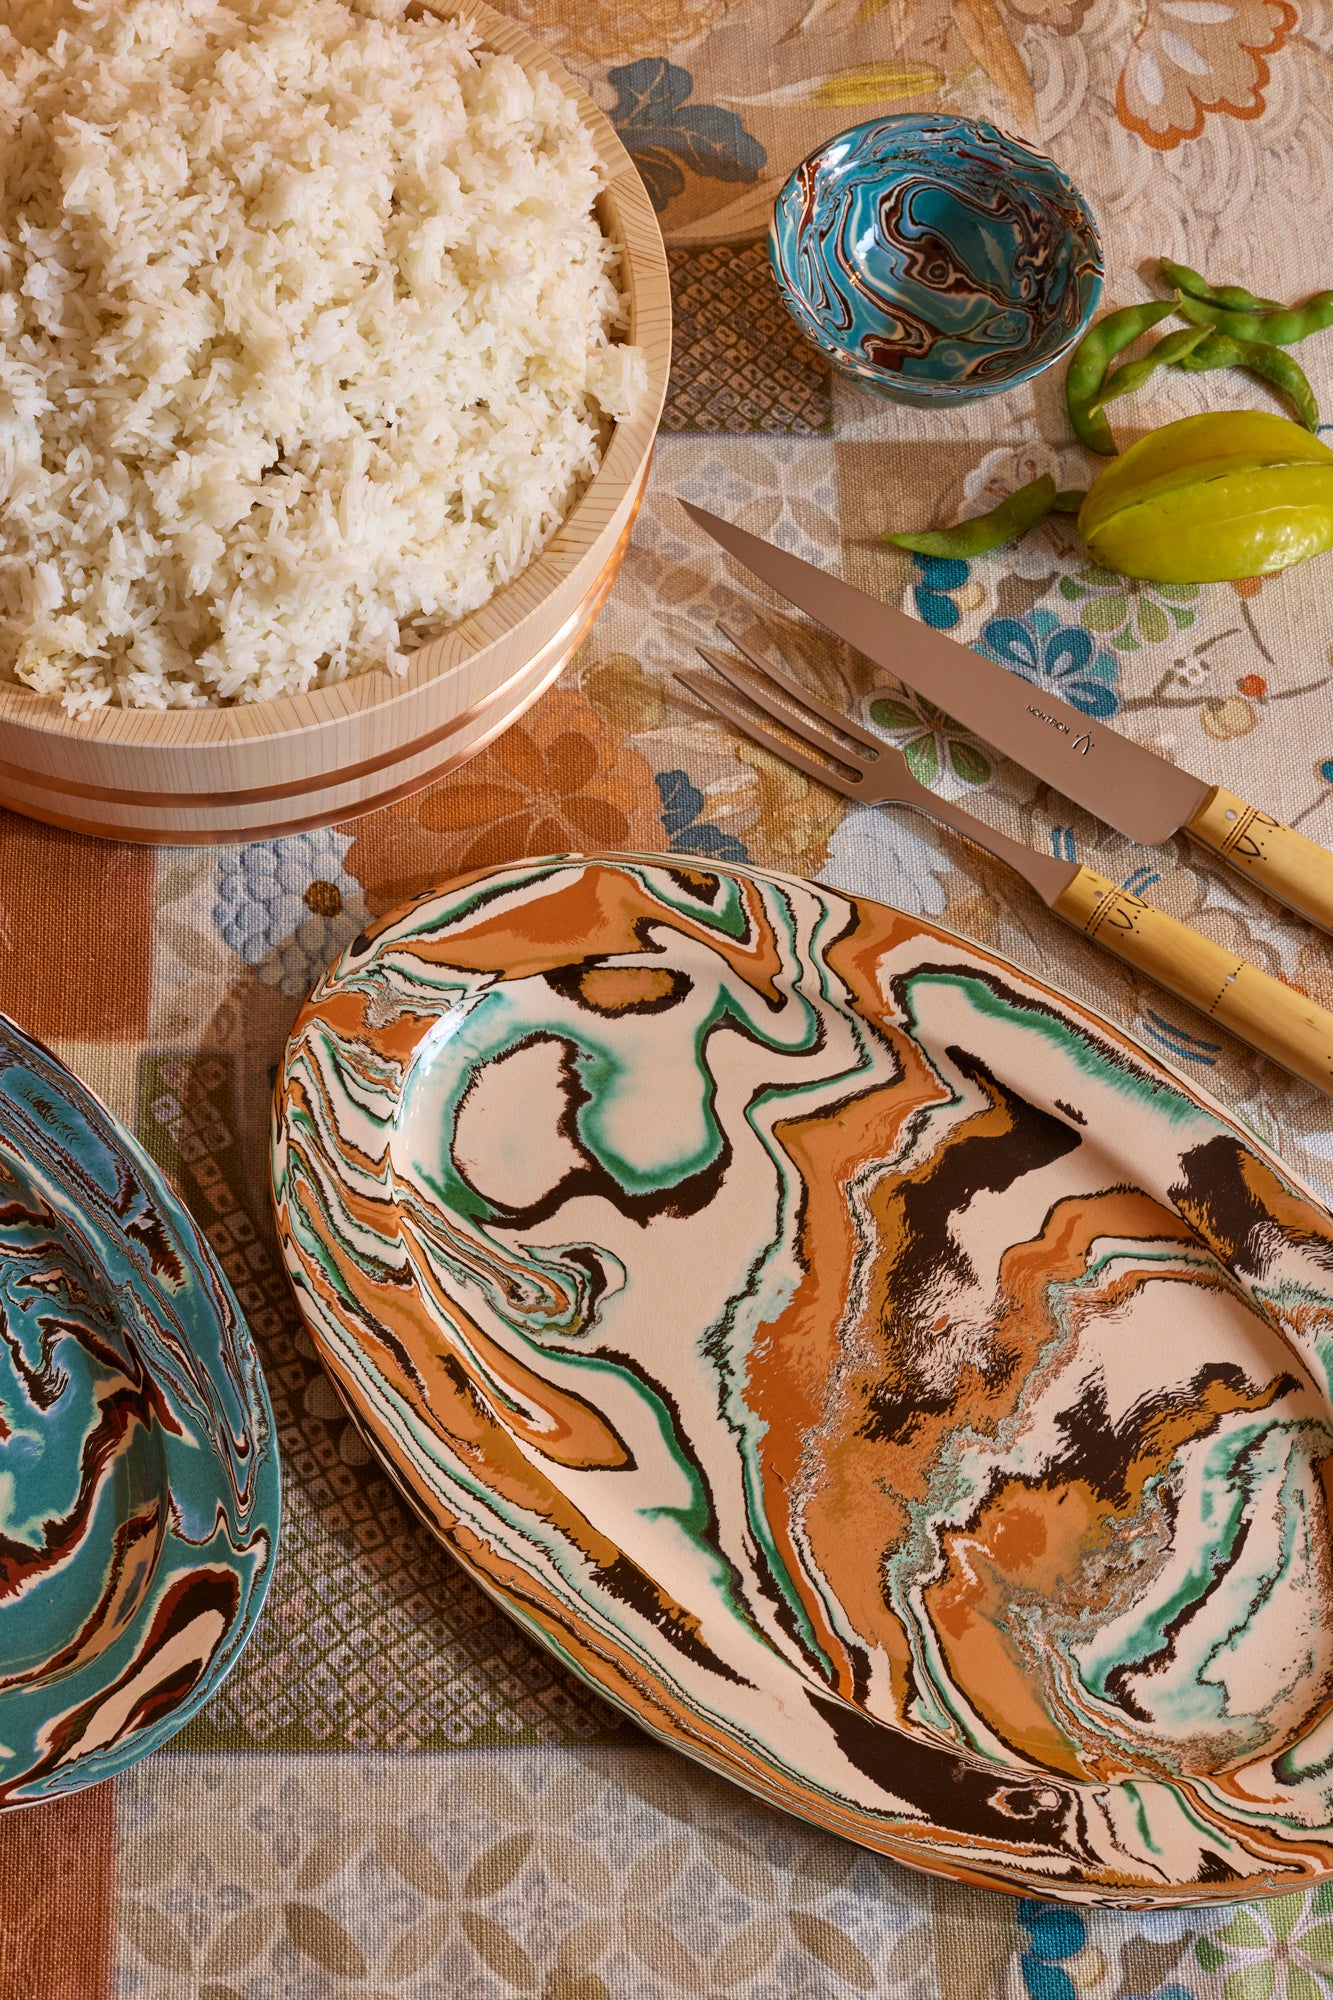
<point x="595" y="1875"/>
<point x="563" y="779"/>
<point x="601" y="1873"/>
<point x="1157" y="78"/>
<point x="288" y="910"/>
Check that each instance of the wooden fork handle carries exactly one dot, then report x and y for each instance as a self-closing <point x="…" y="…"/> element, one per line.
<point x="1271" y="855"/>
<point x="1272" y="1017"/>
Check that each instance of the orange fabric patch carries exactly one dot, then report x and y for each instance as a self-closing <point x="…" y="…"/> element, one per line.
<point x="562" y="780"/>
<point x="76" y="933"/>
<point x="57" y="1897"/>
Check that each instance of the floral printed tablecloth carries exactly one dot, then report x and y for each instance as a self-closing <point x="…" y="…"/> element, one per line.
<point x="396" y="1794"/>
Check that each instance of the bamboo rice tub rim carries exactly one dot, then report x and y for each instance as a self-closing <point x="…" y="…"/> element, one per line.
<point x="627" y="218"/>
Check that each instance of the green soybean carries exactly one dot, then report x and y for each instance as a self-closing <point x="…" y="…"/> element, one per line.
<point x="1069" y="499"/>
<point x="1234" y="298"/>
<point x="1282" y="328"/>
<point x="1089" y="363"/>
<point x="1171" y="348"/>
<point x="976" y="537"/>
<point x="1269" y="363"/>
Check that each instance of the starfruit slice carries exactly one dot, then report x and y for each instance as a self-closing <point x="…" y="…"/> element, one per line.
<point x="1229" y="494"/>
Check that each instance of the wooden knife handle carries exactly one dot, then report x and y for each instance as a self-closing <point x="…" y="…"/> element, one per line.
<point x="1261" y="1010"/>
<point x="1284" y="863"/>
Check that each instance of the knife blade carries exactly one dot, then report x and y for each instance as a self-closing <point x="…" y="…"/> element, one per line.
<point x="1285" y="1023"/>
<point x="1137" y="791"/>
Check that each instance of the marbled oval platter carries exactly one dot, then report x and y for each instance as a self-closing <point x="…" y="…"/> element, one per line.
<point x="865" y="1365"/>
<point x="138" y="1470"/>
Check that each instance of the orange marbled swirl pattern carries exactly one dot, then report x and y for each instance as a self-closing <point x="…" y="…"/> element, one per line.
<point x="872" y="1370"/>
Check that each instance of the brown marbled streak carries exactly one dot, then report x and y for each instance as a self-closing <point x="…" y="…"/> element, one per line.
<point x="836" y="1482"/>
<point x="595" y="1651"/>
<point x="452" y="1396"/>
<point x="792" y="1363"/>
<point x="396" y="1317"/>
<point x="22" y="1563"/>
<point x="355" y="1020"/>
<point x="606" y="910"/>
<point x="190" y="1621"/>
<point x="1240" y="1206"/>
<point x="797" y="1358"/>
<point x="655" y="1704"/>
<point x="494" y="1265"/>
<point x="135" y="1540"/>
<point x="436" y="1381"/>
<point x="853" y="1506"/>
<point x="1045" y="1539"/>
<point x="570" y="1433"/>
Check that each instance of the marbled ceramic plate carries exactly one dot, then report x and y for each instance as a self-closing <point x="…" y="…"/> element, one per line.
<point x="138" y="1476"/>
<point x="868" y="1367"/>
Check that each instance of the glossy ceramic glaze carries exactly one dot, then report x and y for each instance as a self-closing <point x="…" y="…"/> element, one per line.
<point x="138" y="1476"/>
<point x="868" y="1367"/>
<point x="935" y="259"/>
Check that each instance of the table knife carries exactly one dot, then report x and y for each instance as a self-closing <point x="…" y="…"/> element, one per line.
<point x="1133" y="789"/>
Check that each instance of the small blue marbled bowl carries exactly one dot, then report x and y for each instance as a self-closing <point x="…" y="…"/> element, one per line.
<point x="935" y="259"/>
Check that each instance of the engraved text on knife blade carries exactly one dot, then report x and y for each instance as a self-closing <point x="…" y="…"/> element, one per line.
<point x="1082" y="743"/>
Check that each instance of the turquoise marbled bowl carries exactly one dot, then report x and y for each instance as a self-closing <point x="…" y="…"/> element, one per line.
<point x="934" y="259"/>
<point x="139" y="1488"/>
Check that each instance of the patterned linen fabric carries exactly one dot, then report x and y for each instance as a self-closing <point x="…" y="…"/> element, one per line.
<point x="396" y="1793"/>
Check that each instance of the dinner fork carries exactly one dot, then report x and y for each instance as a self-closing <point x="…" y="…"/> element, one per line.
<point x="1274" y="1017"/>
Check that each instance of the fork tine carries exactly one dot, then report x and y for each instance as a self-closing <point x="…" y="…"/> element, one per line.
<point x="799" y="723"/>
<point x="785" y="681"/>
<point x="848" y="780"/>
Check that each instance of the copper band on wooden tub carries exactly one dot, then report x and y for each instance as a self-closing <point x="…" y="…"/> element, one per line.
<point x="329" y="812"/>
<point x="502" y="706"/>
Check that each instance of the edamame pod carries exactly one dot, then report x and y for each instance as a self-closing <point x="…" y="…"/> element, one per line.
<point x="1218" y="350"/>
<point x="1234" y="298"/>
<point x="976" y="537"/>
<point x="1089" y="363"/>
<point x="1282" y="328"/>
<point x="1171" y="348"/>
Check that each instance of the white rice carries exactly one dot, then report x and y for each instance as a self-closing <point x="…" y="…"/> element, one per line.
<point x="306" y="340"/>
